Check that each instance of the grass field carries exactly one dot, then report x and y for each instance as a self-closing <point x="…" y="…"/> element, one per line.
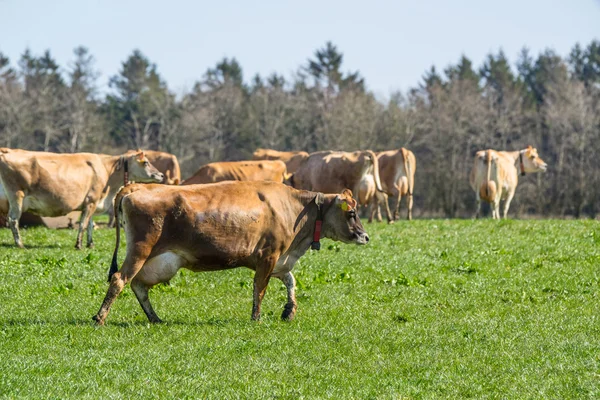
<point x="429" y="309"/>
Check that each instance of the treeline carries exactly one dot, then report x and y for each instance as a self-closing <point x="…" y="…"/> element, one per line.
<point x="550" y="102"/>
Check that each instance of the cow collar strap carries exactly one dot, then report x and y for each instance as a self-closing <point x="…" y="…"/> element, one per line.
<point x="521" y="163"/>
<point x="125" y="171"/>
<point x="316" y="243"/>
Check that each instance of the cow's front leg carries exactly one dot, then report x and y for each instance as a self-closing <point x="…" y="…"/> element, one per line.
<point x="261" y="280"/>
<point x="15" y="209"/>
<point x="289" y="311"/>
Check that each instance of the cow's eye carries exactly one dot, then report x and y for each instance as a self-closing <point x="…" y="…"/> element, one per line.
<point x="352" y="214"/>
<point x="146" y="163"/>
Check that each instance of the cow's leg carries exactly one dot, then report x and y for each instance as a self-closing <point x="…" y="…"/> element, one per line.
<point x="141" y="292"/>
<point x="90" y="225"/>
<point x="477" y="205"/>
<point x="496" y="209"/>
<point x="384" y="200"/>
<point x="509" y="198"/>
<point x="83" y="223"/>
<point x="397" y="206"/>
<point x="289" y="311"/>
<point x="15" y="209"/>
<point x="261" y="280"/>
<point x="134" y="261"/>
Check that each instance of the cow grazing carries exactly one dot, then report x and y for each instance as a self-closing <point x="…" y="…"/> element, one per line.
<point x="51" y="185"/>
<point x="239" y="171"/>
<point x="397" y="173"/>
<point x="332" y="171"/>
<point x="292" y="159"/>
<point x="265" y="226"/>
<point x="495" y="175"/>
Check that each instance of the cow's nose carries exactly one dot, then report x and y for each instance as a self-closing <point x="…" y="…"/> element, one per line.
<point x="366" y="238"/>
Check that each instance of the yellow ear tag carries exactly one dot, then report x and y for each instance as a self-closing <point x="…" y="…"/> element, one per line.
<point x="344" y="206"/>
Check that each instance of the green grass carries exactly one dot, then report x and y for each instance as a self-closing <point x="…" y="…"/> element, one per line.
<point x="429" y="309"/>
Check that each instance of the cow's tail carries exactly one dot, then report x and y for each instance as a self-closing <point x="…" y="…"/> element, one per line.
<point x="114" y="267"/>
<point x="375" y="161"/>
<point x="407" y="170"/>
<point x="488" y="189"/>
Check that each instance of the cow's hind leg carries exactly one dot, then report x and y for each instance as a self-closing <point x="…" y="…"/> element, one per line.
<point x="409" y="205"/>
<point x="15" y="209"/>
<point x="134" y="261"/>
<point x="141" y="292"/>
<point x="84" y="221"/>
<point x="90" y="226"/>
<point x="289" y="311"/>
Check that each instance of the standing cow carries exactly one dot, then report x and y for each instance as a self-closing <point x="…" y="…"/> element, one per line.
<point x="397" y="172"/>
<point x="274" y="171"/>
<point x="265" y="226"/>
<point x="292" y="159"/>
<point x="495" y="176"/>
<point x="332" y="171"/>
<point x="51" y="185"/>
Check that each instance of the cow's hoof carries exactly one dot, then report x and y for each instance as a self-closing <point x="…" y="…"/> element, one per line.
<point x="20" y="245"/>
<point x="98" y="321"/>
<point x="288" y="314"/>
<point x="91" y="245"/>
<point x="156" y="320"/>
<point x="391" y="221"/>
<point x="78" y="247"/>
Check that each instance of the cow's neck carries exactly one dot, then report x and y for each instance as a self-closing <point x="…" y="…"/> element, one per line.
<point x="115" y="170"/>
<point x="517" y="156"/>
<point x="306" y="216"/>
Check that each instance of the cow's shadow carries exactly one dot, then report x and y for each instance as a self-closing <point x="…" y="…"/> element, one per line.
<point x="82" y="322"/>
<point x="34" y="246"/>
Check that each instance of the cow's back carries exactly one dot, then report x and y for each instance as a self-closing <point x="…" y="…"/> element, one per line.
<point x="328" y="172"/>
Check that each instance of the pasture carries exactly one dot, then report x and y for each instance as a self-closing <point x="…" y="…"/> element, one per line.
<point x="429" y="309"/>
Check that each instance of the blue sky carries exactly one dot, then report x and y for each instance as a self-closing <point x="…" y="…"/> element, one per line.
<point x="391" y="43"/>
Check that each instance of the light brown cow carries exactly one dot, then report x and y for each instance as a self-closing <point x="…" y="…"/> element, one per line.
<point x="51" y="185"/>
<point x="397" y="172"/>
<point x="239" y="171"/>
<point x="332" y="171"/>
<point x="495" y="175"/>
<point x="265" y="226"/>
<point x="292" y="159"/>
<point x="164" y="162"/>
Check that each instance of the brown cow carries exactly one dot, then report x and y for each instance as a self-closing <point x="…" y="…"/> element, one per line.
<point x="239" y="171"/>
<point x="332" y="171"/>
<point x="495" y="176"/>
<point x="292" y="159"/>
<point x="265" y="226"/>
<point x="51" y="185"/>
<point x="397" y="173"/>
<point x="164" y="162"/>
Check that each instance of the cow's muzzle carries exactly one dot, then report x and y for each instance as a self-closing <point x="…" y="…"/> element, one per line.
<point x="159" y="176"/>
<point x="361" y="238"/>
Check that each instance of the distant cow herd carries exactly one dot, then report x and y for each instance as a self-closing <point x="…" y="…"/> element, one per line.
<point x="263" y="214"/>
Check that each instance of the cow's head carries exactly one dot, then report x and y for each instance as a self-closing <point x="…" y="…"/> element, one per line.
<point x="341" y="220"/>
<point x="532" y="162"/>
<point x="140" y="169"/>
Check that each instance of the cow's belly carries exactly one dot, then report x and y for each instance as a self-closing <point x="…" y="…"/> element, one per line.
<point x="161" y="268"/>
<point x="49" y="207"/>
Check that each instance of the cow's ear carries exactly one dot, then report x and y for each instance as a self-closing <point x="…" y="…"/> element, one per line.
<point x="347" y="193"/>
<point x="141" y="156"/>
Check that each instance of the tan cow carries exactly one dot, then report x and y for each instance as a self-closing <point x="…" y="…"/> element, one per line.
<point x="397" y="172"/>
<point x="495" y="175"/>
<point x="164" y="162"/>
<point x="292" y="159"/>
<point x="265" y="226"/>
<point x="332" y="171"/>
<point x="51" y="185"/>
<point x="239" y="171"/>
